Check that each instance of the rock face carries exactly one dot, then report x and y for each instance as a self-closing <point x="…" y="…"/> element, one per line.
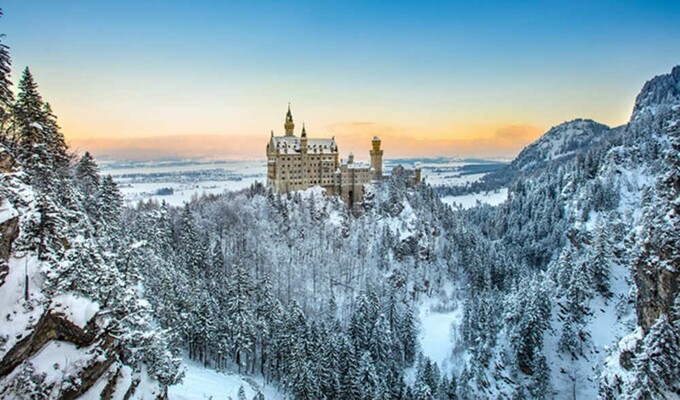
<point x="657" y="269"/>
<point x="57" y="327"/>
<point x="50" y="327"/>
<point x="661" y="90"/>
<point x="657" y="289"/>
<point x="9" y="231"/>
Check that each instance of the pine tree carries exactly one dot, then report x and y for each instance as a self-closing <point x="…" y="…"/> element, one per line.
<point x="55" y="139"/>
<point x="87" y="174"/>
<point x="575" y="312"/>
<point x="527" y="317"/>
<point x="29" y="115"/>
<point x="6" y="94"/>
<point x="241" y="320"/>
<point x="409" y="334"/>
<point x="540" y="379"/>
<point x="657" y="368"/>
<point x="110" y="202"/>
<point x="367" y="378"/>
<point x="449" y="391"/>
<point x="599" y="265"/>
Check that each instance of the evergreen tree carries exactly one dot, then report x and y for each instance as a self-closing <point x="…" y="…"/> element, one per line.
<point x="29" y="116"/>
<point x="657" y="368"/>
<point x="575" y="312"/>
<point x="110" y="203"/>
<point x="599" y="265"/>
<point x="6" y="94"/>
<point x="241" y="320"/>
<point x="87" y="175"/>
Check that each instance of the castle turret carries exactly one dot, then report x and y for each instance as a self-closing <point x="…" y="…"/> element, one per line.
<point x="303" y="140"/>
<point x="289" y="126"/>
<point x="376" y="158"/>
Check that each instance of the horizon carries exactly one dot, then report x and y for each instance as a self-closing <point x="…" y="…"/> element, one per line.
<point x="134" y="80"/>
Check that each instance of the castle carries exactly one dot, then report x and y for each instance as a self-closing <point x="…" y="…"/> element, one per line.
<point x="298" y="163"/>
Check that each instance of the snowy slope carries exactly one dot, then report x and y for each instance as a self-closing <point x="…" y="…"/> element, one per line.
<point x="204" y="383"/>
<point x="562" y="141"/>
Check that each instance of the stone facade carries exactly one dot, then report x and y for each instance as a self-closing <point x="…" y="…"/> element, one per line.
<point x="297" y="163"/>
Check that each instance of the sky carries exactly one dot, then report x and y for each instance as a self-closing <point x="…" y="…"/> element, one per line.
<point x="164" y="79"/>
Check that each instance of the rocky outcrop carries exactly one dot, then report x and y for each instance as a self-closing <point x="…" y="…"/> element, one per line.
<point x="9" y="231"/>
<point x="55" y="326"/>
<point x="657" y="289"/>
<point x="50" y="327"/>
<point x="7" y="163"/>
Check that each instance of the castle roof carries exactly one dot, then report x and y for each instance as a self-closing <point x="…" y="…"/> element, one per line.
<point x="291" y="145"/>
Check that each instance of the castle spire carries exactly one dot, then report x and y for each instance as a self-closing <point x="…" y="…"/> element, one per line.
<point x="289" y="126"/>
<point x="304" y="131"/>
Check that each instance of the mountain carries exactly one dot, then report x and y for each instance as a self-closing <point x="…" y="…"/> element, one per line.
<point x="658" y="94"/>
<point x="568" y="289"/>
<point x="602" y="229"/>
<point x="560" y="143"/>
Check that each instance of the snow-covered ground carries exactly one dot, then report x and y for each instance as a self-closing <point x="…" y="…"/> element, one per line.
<point x="436" y="333"/>
<point x="470" y="200"/>
<point x="178" y="181"/>
<point x="205" y="383"/>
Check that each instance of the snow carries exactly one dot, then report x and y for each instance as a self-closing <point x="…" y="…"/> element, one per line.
<point x="205" y="383"/>
<point x="7" y="211"/>
<point x="17" y="319"/>
<point x="436" y="333"/>
<point x="123" y="383"/>
<point x="143" y="180"/>
<point x="94" y="393"/>
<point x="188" y="178"/>
<point x="147" y="389"/>
<point x="78" y="310"/>
<point x="471" y="200"/>
<point x="58" y="361"/>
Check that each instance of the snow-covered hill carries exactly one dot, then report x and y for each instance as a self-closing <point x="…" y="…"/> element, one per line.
<point x="563" y="141"/>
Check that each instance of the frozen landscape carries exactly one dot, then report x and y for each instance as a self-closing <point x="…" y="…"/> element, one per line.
<point x="552" y="274"/>
<point x="178" y="181"/>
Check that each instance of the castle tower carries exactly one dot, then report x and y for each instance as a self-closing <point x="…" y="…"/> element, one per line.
<point x="303" y="140"/>
<point x="376" y="158"/>
<point x="289" y="126"/>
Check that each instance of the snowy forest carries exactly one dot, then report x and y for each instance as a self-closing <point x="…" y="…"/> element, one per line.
<point x="568" y="289"/>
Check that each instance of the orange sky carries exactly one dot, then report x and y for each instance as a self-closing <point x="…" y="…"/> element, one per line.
<point x="483" y="141"/>
<point x="135" y="80"/>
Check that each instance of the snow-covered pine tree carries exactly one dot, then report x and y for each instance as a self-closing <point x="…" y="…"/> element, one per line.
<point x="6" y="94"/>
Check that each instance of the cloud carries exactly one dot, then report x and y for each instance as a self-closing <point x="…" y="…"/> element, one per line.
<point x="179" y="146"/>
<point x="503" y="141"/>
<point x="518" y="133"/>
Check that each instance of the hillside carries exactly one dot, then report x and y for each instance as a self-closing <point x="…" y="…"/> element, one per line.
<point x="74" y="321"/>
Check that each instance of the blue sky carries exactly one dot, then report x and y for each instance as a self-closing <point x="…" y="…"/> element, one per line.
<point x="431" y="71"/>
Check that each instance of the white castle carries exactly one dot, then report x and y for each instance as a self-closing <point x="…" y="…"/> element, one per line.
<point x="298" y="163"/>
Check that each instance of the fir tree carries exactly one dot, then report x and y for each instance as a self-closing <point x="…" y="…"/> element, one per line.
<point x="599" y="265"/>
<point x="29" y="115"/>
<point x="6" y="94"/>
<point x="657" y="368"/>
<point x="241" y="320"/>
